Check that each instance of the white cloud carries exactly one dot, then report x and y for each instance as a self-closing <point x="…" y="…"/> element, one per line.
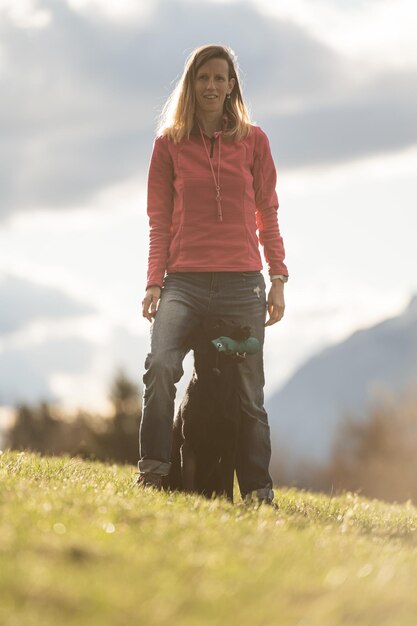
<point x="121" y="10"/>
<point x="25" y="301"/>
<point x="109" y="234"/>
<point x="26" y="371"/>
<point x="25" y="13"/>
<point x="377" y="169"/>
<point x="379" y="33"/>
<point x="118" y="349"/>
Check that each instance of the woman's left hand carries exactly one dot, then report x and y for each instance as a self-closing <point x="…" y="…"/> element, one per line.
<point x="276" y="303"/>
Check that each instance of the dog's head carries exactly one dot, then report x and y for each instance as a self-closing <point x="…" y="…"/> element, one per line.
<point x="201" y="341"/>
<point x="225" y="328"/>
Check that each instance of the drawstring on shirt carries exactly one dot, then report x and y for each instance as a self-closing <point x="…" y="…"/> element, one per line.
<point x="216" y="181"/>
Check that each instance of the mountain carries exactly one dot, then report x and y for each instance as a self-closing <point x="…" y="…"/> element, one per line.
<point x="342" y="379"/>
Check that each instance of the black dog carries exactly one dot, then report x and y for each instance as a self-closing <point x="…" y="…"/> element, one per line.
<point x="206" y="427"/>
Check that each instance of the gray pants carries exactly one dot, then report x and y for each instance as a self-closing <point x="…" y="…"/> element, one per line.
<point x="186" y="299"/>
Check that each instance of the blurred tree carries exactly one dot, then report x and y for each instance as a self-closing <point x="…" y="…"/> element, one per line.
<point x="122" y="437"/>
<point x="46" y="429"/>
<point x="124" y="394"/>
<point x="376" y="456"/>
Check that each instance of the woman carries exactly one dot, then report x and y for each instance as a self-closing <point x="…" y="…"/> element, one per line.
<point x="211" y="185"/>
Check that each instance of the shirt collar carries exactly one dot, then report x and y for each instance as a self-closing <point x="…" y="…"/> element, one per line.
<point x="196" y="131"/>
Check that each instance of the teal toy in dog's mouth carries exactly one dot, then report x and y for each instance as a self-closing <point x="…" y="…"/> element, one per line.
<point x="238" y="348"/>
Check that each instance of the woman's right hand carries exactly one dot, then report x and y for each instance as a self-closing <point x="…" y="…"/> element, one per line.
<point x="150" y="302"/>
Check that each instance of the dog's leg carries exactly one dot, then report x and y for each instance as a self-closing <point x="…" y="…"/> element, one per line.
<point x="230" y="441"/>
<point x="188" y="467"/>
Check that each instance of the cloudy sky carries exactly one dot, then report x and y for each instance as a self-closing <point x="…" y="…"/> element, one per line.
<point x="332" y="82"/>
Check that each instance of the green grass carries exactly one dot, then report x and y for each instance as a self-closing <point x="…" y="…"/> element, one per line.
<point x="80" y="544"/>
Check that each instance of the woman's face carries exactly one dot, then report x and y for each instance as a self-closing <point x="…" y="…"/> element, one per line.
<point x="212" y="86"/>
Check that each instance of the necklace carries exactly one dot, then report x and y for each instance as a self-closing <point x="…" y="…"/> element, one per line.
<point x="216" y="180"/>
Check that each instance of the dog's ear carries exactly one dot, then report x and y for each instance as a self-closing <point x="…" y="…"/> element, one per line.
<point x="242" y="333"/>
<point x="231" y="329"/>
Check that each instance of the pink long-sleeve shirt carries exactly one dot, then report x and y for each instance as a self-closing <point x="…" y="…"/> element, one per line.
<point x="186" y="234"/>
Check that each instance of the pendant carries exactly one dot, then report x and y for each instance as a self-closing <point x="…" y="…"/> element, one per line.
<point x="219" y="205"/>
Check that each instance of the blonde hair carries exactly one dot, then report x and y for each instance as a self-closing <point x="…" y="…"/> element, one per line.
<point x="178" y="114"/>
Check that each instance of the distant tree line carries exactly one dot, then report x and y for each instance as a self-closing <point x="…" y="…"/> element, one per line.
<point x="46" y="429"/>
<point x="379" y="456"/>
<point x="376" y="457"/>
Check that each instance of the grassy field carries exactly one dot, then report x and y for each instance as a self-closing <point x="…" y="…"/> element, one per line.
<point x="79" y="544"/>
